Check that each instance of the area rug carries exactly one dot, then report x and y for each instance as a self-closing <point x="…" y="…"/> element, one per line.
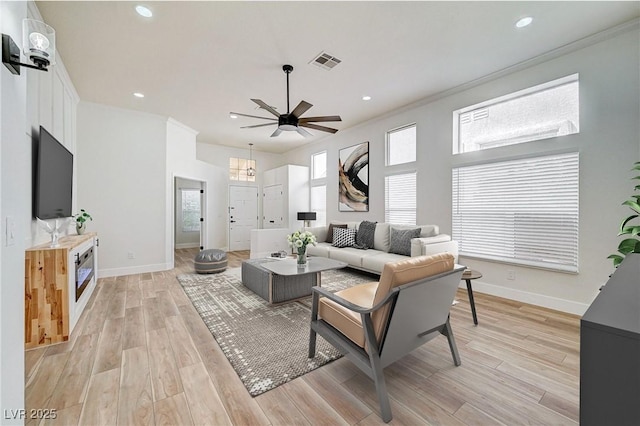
<point x="267" y="345"/>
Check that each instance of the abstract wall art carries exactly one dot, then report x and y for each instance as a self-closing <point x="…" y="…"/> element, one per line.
<point x="353" y="178"/>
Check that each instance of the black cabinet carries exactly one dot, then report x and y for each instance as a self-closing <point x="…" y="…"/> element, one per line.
<point x="610" y="351"/>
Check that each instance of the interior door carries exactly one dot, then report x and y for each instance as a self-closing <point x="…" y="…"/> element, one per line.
<point x="243" y="216"/>
<point x="273" y="207"/>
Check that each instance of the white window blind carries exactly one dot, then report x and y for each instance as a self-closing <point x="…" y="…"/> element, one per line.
<point x="319" y="165"/>
<point x="520" y="211"/>
<point x="401" y="145"/>
<point x="400" y="198"/>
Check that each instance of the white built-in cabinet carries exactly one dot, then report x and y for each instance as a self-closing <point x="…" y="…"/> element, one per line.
<point x="285" y="193"/>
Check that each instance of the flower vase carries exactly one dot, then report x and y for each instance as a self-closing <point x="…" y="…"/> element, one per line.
<point x="302" y="256"/>
<point x="81" y="227"/>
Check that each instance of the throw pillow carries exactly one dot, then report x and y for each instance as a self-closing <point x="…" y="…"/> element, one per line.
<point x="401" y="240"/>
<point x="364" y="236"/>
<point x="330" y="231"/>
<point x="343" y="237"/>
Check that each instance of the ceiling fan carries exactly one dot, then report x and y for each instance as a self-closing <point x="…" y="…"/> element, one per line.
<point x="291" y="121"/>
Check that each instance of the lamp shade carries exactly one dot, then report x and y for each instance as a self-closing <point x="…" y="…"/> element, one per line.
<point x="306" y="215"/>
<point x="39" y="42"/>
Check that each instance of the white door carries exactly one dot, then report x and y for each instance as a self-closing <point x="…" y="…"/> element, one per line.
<point x="243" y="216"/>
<point x="273" y="207"/>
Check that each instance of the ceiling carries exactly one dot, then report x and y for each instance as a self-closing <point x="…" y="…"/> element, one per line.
<point x="197" y="61"/>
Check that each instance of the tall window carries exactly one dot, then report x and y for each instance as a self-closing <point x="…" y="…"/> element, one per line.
<point x="521" y="211"/>
<point x="400" y="198"/>
<point x="401" y="145"/>
<point x="238" y="169"/>
<point x="540" y="112"/>
<point x="190" y="210"/>
<point x="318" y="195"/>
<point x="319" y="165"/>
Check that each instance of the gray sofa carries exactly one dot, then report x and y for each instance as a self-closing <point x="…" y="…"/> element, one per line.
<point x="373" y="260"/>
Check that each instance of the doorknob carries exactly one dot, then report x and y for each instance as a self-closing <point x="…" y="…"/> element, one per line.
<point x="233" y="221"/>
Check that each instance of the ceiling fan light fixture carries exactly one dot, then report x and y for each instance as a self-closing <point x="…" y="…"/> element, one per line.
<point x="233" y="116"/>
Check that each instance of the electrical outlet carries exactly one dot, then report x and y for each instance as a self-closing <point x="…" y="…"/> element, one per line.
<point x="511" y="274"/>
<point x="131" y="255"/>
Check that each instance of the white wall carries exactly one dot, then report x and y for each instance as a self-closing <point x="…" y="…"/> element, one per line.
<point x="121" y="160"/>
<point x="608" y="146"/>
<point x="182" y="162"/>
<point x="15" y="202"/>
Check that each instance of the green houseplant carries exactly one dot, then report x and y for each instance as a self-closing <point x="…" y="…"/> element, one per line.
<point x="81" y="221"/>
<point x="629" y="227"/>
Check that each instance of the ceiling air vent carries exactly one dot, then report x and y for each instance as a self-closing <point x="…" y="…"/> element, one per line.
<point x="325" y="61"/>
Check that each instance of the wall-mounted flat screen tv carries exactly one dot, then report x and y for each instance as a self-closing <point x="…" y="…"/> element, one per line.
<point x="53" y="183"/>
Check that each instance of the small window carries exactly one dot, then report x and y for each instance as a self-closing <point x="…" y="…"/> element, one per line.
<point x="190" y="210"/>
<point x="319" y="165"/>
<point x="401" y="145"/>
<point x="400" y="199"/>
<point x="544" y="111"/>
<point x="238" y="169"/>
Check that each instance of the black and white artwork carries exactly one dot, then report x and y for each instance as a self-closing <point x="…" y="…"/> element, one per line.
<point x="353" y="178"/>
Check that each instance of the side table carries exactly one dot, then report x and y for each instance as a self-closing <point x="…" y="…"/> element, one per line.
<point x="469" y="275"/>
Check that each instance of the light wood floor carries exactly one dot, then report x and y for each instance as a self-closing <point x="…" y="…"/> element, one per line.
<point x="140" y="354"/>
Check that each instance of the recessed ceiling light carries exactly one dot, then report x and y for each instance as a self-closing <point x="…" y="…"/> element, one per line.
<point x="366" y="98"/>
<point x="138" y="95"/>
<point x="144" y="11"/>
<point x="233" y="116"/>
<point x="523" y="22"/>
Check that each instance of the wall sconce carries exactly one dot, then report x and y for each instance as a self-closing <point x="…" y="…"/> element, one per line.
<point x="307" y="217"/>
<point x="39" y="45"/>
<point x="251" y="171"/>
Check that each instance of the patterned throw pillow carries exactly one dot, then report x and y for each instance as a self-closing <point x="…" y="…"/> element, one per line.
<point x="364" y="236"/>
<point x="344" y="237"/>
<point x="401" y="240"/>
<point x="330" y="230"/>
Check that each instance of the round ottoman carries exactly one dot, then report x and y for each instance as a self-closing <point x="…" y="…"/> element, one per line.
<point x="210" y="261"/>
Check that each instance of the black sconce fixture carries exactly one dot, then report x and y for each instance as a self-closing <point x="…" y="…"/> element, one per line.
<point x="39" y="45"/>
<point x="306" y="217"/>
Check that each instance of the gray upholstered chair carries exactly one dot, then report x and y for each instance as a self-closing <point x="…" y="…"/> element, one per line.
<point x="377" y="323"/>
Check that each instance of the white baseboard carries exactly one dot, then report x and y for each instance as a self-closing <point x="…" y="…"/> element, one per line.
<point x="142" y="269"/>
<point x="187" y="245"/>
<point x="550" y="302"/>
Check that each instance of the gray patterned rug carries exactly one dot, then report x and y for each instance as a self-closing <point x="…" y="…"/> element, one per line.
<point x="266" y="345"/>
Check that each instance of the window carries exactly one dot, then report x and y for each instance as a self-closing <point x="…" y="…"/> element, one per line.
<point x="238" y="169"/>
<point x="520" y="211"/>
<point x="319" y="165"/>
<point x="400" y="198"/>
<point x="190" y="210"/>
<point x="544" y="111"/>
<point x="319" y="204"/>
<point x="401" y="145"/>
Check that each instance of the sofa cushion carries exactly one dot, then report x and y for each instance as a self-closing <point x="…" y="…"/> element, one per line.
<point x="365" y="235"/>
<point x="319" y="231"/>
<point x="377" y="261"/>
<point x="320" y="249"/>
<point x="329" y="237"/>
<point x="425" y="230"/>
<point x="381" y="237"/>
<point x="344" y="237"/>
<point x="401" y="240"/>
<point x="351" y="255"/>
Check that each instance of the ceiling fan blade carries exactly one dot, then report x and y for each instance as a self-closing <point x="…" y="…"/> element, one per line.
<point x="253" y="116"/>
<point x="302" y="107"/>
<point x="316" y="127"/>
<point x="258" y="125"/>
<point x="320" y="119"/>
<point x="276" y="133"/>
<point x="263" y="105"/>
<point x="303" y="132"/>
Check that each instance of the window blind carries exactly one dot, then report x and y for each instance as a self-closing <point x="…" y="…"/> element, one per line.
<point x="400" y="198"/>
<point x="520" y="211"/>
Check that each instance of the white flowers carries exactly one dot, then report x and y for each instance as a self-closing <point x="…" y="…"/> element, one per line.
<point x="300" y="240"/>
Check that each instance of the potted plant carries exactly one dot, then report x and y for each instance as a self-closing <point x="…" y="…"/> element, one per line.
<point x="299" y="240"/>
<point x="627" y="227"/>
<point x="81" y="221"/>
